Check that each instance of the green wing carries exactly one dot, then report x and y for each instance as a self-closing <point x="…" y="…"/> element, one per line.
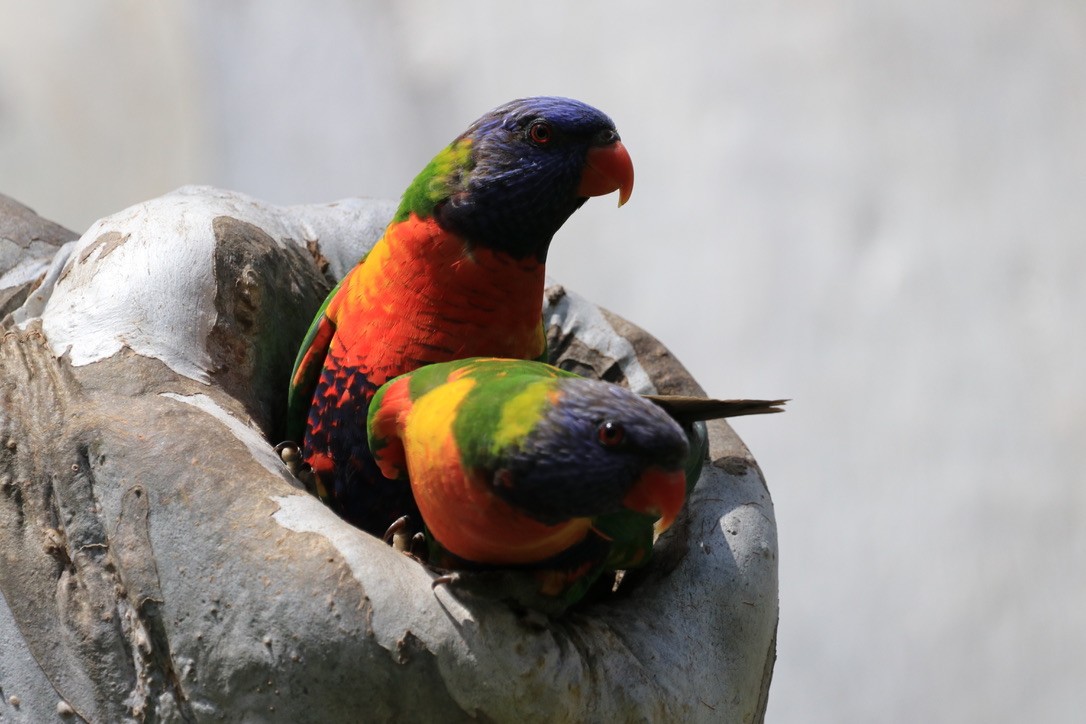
<point x="307" y="370"/>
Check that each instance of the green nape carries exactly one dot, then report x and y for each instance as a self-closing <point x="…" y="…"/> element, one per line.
<point x="427" y="377"/>
<point x="520" y="413"/>
<point x="504" y="406"/>
<point x="436" y="182"/>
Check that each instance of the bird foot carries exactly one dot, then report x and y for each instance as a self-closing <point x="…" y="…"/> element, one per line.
<point x="402" y="537"/>
<point x="398" y="534"/>
<point x="448" y="578"/>
<point x="417" y="547"/>
<point x="291" y="455"/>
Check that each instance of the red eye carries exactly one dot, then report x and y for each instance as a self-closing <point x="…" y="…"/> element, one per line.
<point x="540" y="132"/>
<point x="611" y="433"/>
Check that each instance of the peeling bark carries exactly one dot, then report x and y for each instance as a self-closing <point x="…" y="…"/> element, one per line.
<point x="27" y="243"/>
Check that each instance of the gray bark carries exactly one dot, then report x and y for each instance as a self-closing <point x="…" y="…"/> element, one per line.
<point x="27" y="245"/>
<point x="158" y="562"/>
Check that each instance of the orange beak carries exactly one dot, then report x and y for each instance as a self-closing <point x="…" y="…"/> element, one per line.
<point x="606" y="169"/>
<point x="658" y="492"/>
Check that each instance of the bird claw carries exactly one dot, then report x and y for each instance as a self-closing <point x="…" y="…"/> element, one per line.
<point x="397" y="525"/>
<point x="450" y="578"/>
<point x="397" y="534"/>
<point x="291" y="455"/>
<point x="417" y="546"/>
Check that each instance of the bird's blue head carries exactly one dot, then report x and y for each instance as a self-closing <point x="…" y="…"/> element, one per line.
<point x="511" y="180"/>
<point x="598" y="448"/>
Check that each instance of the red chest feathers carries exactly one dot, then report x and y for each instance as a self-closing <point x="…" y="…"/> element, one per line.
<point x="421" y="297"/>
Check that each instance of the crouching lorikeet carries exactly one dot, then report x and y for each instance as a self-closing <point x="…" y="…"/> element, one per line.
<point x="518" y="464"/>
<point x="459" y="272"/>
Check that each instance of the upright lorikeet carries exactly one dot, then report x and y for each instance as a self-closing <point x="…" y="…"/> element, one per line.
<point x="459" y="272"/>
<point x="518" y="464"/>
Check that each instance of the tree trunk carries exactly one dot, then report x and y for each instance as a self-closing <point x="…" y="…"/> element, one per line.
<point x="158" y="562"/>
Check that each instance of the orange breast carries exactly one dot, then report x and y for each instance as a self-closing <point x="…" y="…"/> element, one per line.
<point x="457" y="504"/>
<point x="421" y="297"/>
<point x="474" y="524"/>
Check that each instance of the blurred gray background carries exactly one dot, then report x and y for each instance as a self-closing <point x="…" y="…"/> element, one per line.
<point x="876" y="209"/>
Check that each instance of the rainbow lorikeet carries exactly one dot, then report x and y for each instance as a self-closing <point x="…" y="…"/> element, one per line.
<point x="459" y="272"/>
<point x="519" y="464"/>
